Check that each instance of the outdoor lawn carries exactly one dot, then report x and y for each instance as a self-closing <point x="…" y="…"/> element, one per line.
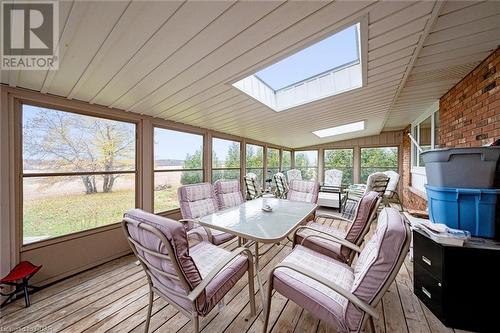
<point x="53" y="216"/>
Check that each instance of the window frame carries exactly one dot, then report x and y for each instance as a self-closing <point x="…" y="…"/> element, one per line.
<point x="309" y="167"/>
<point x="203" y="161"/>
<point x="19" y="169"/>
<point x="398" y="162"/>
<point x="269" y="167"/>
<point x="247" y="169"/>
<point x="212" y="169"/>
<point x="352" y="162"/>
<point x="281" y="159"/>
<point x="432" y="112"/>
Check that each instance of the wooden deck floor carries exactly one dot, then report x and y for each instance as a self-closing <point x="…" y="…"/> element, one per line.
<point x="113" y="298"/>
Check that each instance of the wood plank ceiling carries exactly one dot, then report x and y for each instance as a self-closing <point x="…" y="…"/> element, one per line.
<point x="177" y="60"/>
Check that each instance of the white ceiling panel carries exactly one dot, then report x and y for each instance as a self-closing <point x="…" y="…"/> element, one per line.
<point x="177" y="60"/>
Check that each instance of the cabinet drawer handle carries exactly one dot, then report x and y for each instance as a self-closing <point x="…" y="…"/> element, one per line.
<point x="427" y="260"/>
<point x="426" y="292"/>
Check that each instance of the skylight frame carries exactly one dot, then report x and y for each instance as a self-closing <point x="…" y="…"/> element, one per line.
<point x="334" y="69"/>
<point x="283" y="99"/>
<point x="341" y="129"/>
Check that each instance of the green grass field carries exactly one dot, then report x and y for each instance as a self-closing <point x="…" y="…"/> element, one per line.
<point x="56" y="216"/>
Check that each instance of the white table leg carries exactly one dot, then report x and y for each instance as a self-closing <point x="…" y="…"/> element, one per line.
<point x="259" y="280"/>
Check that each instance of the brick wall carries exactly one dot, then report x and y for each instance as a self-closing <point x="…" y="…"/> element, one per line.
<point x="470" y="112"/>
<point x="469" y="115"/>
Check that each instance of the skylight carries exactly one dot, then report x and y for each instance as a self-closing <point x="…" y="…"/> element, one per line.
<point x="329" y="67"/>
<point x="343" y="129"/>
<point x="332" y="52"/>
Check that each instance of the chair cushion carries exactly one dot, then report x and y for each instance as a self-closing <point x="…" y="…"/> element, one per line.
<point x="361" y="221"/>
<point x="197" y="200"/>
<point x="333" y="177"/>
<point x="377" y="260"/>
<point x="206" y="257"/>
<point x="325" y="303"/>
<point x="175" y="234"/>
<point x="218" y="237"/>
<point x="330" y="249"/>
<point x="228" y="193"/>
<point x="393" y="182"/>
<point x="303" y="190"/>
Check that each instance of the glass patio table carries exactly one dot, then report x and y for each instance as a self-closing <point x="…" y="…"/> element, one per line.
<point x="249" y="221"/>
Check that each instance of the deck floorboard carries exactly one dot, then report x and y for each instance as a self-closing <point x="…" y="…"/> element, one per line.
<point x="113" y="298"/>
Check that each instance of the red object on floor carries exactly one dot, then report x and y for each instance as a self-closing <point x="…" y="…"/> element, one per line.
<point x="20" y="271"/>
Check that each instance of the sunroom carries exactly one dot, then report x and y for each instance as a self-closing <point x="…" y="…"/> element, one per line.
<point x="249" y="166"/>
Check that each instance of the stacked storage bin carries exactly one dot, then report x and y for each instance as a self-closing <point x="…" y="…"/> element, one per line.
<point x="462" y="188"/>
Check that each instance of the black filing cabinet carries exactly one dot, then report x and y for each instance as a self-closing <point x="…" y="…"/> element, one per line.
<point x="459" y="284"/>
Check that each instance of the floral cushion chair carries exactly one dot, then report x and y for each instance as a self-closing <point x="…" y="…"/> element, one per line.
<point x="191" y="279"/>
<point x="343" y="296"/>
<point x="376" y="181"/>
<point x="228" y="193"/>
<point x="357" y="230"/>
<point x="198" y="200"/>
<point x="303" y="190"/>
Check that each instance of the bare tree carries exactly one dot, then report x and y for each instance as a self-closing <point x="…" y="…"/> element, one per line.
<point x="67" y="142"/>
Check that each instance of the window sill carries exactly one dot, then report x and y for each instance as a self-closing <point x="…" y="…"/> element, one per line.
<point x="66" y="238"/>
<point x="417" y="192"/>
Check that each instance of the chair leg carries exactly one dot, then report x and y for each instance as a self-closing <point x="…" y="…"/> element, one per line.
<point x="267" y="306"/>
<point x="251" y="290"/>
<point x="26" y="293"/>
<point x="196" y="323"/>
<point x="150" y="308"/>
<point x="371" y="324"/>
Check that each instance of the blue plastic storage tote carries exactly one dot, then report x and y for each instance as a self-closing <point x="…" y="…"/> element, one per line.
<point x="462" y="208"/>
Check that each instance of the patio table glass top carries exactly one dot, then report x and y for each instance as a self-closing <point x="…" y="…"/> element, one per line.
<point x="249" y="221"/>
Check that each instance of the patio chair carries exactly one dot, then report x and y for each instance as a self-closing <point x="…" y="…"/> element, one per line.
<point x="330" y="192"/>
<point x="193" y="280"/>
<point x="293" y="174"/>
<point x="228" y="193"/>
<point x="195" y="201"/>
<point x="252" y="188"/>
<point x="358" y="228"/>
<point x="376" y="182"/>
<point x="281" y="190"/>
<point x="303" y="190"/>
<point x="343" y="296"/>
<point x="391" y="193"/>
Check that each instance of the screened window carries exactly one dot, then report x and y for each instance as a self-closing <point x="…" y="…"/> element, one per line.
<point x="178" y="160"/>
<point x="378" y="160"/>
<point x="273" y="161"/>
<point x="286" y="160"/>
<point x="78" y="172"/>
<point x="307" y="162"/>
<point x="225" y="159"/>
<point x="426" y="133"/>
<point x="340" y="159"/>
<point x="255" y="161"/>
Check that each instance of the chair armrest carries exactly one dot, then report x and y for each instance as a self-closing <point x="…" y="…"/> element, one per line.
<point x="188" y="221"/>
<point x="331" y="285"/>
<point x="199" y="288"/>
<point x="333" y="217"/>
<point x="198" y="236"/>
<point x="329" y="237"/>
